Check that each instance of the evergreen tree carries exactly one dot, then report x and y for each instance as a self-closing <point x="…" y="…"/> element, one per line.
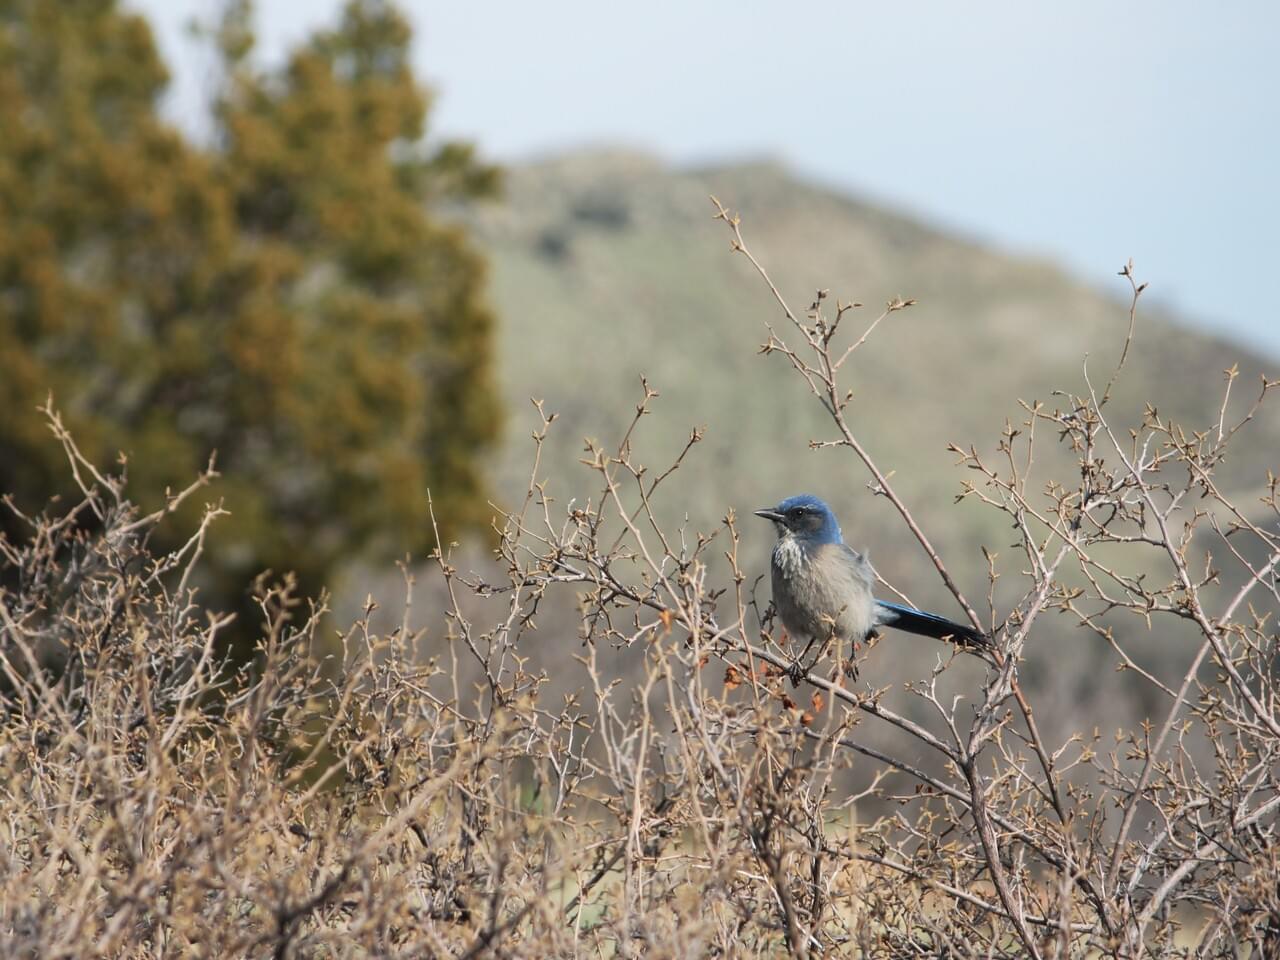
<point x="283" y="296"/>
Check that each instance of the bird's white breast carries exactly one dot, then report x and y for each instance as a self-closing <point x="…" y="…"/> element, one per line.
<point x="788" y="557"/>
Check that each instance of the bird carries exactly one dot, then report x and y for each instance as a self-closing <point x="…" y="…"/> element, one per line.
<point x="822" y="587"/>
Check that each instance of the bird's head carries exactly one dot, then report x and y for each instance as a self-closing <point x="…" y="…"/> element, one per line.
<point x="804" y="517"/>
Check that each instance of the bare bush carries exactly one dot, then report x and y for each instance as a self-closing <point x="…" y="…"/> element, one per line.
<point x="360" y="795"/>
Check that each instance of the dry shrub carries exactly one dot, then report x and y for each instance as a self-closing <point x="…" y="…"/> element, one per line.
<point x="359" y="795"/>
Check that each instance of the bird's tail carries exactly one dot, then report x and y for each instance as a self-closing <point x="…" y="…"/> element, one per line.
<point x="929" y="625"/>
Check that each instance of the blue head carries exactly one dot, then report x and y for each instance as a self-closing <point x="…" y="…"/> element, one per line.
<point x="804" y="517"/>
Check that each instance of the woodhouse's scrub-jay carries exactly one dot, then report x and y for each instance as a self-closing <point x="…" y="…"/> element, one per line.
<point x="822" y="586"/>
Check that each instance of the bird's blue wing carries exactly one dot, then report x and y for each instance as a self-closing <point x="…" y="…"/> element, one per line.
<point x="927" y="624"/>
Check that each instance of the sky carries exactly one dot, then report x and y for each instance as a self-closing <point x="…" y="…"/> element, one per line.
<point x="1085" y="132"/>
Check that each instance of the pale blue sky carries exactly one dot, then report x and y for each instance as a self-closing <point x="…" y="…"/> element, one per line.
<point x="1087" y="132"/>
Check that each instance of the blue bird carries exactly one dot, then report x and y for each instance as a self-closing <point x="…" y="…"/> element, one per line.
<point x="822" y="586"/>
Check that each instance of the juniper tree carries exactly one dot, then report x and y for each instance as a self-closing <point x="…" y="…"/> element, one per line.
<point x="287" y="293"/>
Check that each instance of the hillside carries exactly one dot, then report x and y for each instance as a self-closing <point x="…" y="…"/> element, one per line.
<point x="607" y="266"/>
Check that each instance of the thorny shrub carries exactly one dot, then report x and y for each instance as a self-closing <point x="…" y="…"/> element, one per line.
<point x="359" y="796"/>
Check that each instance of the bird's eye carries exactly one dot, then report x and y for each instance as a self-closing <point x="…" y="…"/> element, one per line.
<point x="797" y="512"/>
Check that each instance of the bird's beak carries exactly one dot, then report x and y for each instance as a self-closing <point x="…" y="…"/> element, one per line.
<point x="770" y="514"/>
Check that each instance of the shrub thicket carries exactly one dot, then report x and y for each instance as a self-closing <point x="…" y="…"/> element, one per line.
<point x="157" y="803"/>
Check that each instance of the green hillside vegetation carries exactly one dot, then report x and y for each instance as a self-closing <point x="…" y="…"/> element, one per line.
<point x="603" y="261"/>
<point x="607" y="266"/>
